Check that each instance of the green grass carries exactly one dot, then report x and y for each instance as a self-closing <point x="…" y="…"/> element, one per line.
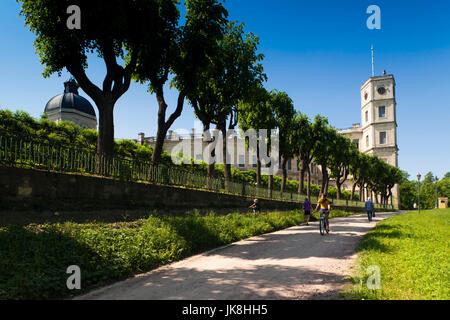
<point x="412" y="252"/>
<point x="34" y="258"/>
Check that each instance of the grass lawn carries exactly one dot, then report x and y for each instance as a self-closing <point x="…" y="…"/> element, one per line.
<point x="412" y="252"/>
<point x="34" y="258"/>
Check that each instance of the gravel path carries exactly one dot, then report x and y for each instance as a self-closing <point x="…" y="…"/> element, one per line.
<point x="296" y="263"/>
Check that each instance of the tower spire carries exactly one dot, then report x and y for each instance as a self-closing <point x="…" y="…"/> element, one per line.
<point x="373" y="68"/>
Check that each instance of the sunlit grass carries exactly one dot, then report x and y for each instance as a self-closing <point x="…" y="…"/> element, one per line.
<point x="412" y="251"/>
<point x="34" y="259"/>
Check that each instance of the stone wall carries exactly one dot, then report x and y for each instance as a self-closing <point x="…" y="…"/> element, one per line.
<point x="25" y="189"/>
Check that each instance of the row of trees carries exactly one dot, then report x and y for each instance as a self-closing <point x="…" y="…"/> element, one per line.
<point x="22" y="126"/>
<point x="316" y="143"/>
<point x="429" y="189"/>
<point x="212" y="63"/>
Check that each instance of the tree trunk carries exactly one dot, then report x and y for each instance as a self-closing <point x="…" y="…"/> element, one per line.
<point x="283" y="173"/>
<point x="338" y="189"/>
<point x="258" y="173"/>
<point x="226" y="168"/>
<point x="105" y="142"/>
<point x="207" y="138"/>
<point x="258" y="167"/>
<point x="353" y="191"/>
<point x="308" y="187"/>
<point x="301" y="178"/>
<point x="361" y="191"/>
<point x="270" y="186"/>
<point x="159" y="144"/>
<point x="325" y="180"/>
<point x="163" y="125"/>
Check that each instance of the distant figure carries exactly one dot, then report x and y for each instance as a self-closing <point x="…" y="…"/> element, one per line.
<point x="370" y="207"/>
<point x="307" y="210"/>
<point x="255" y="206"/>
<point x="415" y="205"/>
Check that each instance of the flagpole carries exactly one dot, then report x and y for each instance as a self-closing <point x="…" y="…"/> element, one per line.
<point x="373" y="68"/>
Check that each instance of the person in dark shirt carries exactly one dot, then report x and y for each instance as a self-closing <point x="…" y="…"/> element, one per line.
<point x="255" y="206"/>
<point x="307" y="209"/>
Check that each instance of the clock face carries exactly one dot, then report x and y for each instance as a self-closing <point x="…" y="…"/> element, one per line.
<point x="381" y="90"/>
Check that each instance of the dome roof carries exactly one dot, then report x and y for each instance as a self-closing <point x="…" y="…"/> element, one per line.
<point x="70" y="100"/>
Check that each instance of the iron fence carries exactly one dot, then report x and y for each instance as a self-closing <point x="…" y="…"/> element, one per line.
<point x="19" y="152"/>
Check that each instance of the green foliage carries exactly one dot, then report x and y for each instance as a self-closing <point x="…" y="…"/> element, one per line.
<point x="409" y="191"/>
<point x="21" y="124"/>
<point x="179" y="52"/>
<point x="412" y="252"/>
<point x="34" y="259"/>
<point x="60" y="48"/>
<point x="283" y="107"/>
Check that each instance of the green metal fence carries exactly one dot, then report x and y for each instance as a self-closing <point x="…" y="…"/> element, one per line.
<point x="17" y="152"/>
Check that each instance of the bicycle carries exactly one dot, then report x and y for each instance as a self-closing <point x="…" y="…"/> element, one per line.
<point x="323" y="223"/>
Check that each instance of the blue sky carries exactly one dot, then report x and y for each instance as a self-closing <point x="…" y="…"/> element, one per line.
<point x="316" y="51"/>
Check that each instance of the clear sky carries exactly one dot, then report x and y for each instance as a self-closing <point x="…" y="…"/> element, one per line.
<point x="317" y="51"/>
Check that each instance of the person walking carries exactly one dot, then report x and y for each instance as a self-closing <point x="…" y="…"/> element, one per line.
<point x="307" y="210"/>
<point x="370" y="207"/>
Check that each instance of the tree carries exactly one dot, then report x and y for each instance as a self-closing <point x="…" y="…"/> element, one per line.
<point x="233" y="72"/>
<point x="283" y="107"/>
<point x="359" y="164"/>
<point x="109" y="31"/>
<point x="303" y="138"/>
<point x="323" y="147"/>
<point x="340" y="161"/>
<point x="394" y="176"/>
<point x="255" y="113"/>
<point x="408" y="191"/>
<point x="183" y="51"/>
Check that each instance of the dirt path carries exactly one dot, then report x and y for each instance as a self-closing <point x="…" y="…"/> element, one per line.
<point x="296" y="263"/>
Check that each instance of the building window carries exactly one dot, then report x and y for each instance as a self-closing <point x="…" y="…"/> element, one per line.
<point x="367" y="116"/>
<point x="289" y="165"/>
<point x="241" y="161"/>
<point x="199" y="157"/>
<point x="254" y="165"/>
<point x="382" y="112"/>
<point x="382" y="137"/>
<point x="356" y="142"/>
<point x="367" y="141"/>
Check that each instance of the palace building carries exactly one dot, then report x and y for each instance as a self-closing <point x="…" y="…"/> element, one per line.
<point x="376" y="134"/>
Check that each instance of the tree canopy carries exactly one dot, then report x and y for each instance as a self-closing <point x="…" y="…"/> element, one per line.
<point x="108" y="32"/>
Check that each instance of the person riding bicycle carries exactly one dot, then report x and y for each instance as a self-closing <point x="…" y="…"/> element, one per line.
<point x="370" y="207"/>
<point x="325" y="208"/>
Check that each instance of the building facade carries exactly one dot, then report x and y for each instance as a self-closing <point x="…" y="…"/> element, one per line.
<point x="70" y="106"/>
<point x="376" y="134"/>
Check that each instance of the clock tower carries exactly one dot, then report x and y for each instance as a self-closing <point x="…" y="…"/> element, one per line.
<point x="379" y="120"/>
